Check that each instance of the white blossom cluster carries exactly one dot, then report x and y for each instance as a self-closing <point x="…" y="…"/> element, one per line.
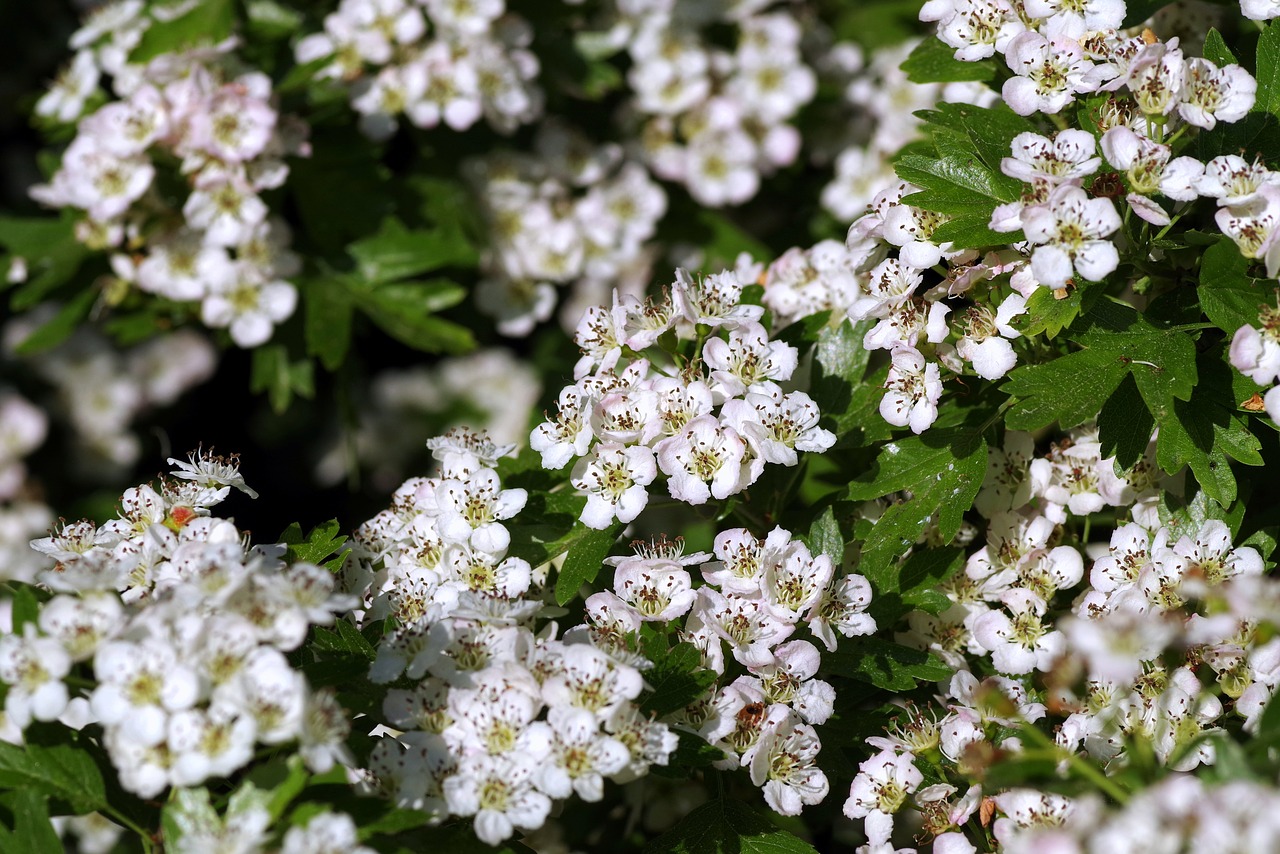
<point x="434" y="61"/>
<point x="245" y="826"/>
<point x="569" y="213"/>
<point x="101" y="390"/>
<point x="1060" y="231"/>
<point x="1179" y="813"/>
<point x="754" y="596"/>
<point x="496" y="721"/>
<point x="219" y="247"/>
<point x="491" y="390"/>
<point x="710" y="118"/>
<point x="709" y="422"/>
<point x="184" y="630"/>
<point x="1170" y="630"/>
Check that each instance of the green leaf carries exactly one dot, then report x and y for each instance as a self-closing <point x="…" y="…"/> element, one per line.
<point x="583" y="562"/>
<point x="953" y="185"/>
<point x="1216" y="50"/>
<point x="52" y="253"/>
<point x="59" y="771"/>
<point x="280" y="378"/>
<point x="922" y="572"/>
<point x="32" y="831"/>
<point x="25" y="607"/>
<point x="886" y="665"/>
<point x="1228" y="294"/>
<point x="406" y="311"/>
<point x="344" y="638"/>
<point x="971" y="231"/>
<point x="1125" y="425"/>
<point x="1047" y="315"/>
<point x="395" y="252"/>
<point x="990" y="132"/>
<point x="59" y="327"/>
<point x="839" y="363"/>
<point x="825" y="537"/>
<point x="555" y="531"/>
<point x="208" y="22"/>
<point x="328" y="326"/>
<point x="934" y="62"/>
<point x="727" y="827"/>
<point x="677" y="677"/>
<point x="1072" y="389"/>
<point x="1204" y="432"/>
<point x="944" y="470"/>
<point x="323" y="541"/>
<point x="1268" y="71"/>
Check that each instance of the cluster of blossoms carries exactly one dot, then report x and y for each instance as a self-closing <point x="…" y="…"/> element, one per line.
<point x="709" y="421"/>
<point x="498" y="720"/>
<point x="198" y="111"/>
<point x="495" y="720"/>
<point x="432" y="60"/>
<point x="490" y="389"/>
<point x="570" y="213"/>
<point x="1065" y="226"/>
<point x="184" y="631"/>
<point x="245" y="826"/>
<point x="712" y="119"/>
<point x="1179" y="813"/>
<point x="755" y="595"/>
<point x="1169" y="632"/>
<point x="101" y="390"/>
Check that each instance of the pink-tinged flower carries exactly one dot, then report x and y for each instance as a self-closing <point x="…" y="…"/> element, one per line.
<point x="747" y="623"/>
<point x="777" y="425"/>
<point x="785" y="764"/>
<point x="912" y="389"/>
<point x="660" y="593"/>
<point x="1156" y="76"/>
<point x="704" y="460"/>
<point x="1211" y="94"/>
<point x="1069" y="232"/>
<point x="1049" y="73"/>
<point x="748" y="361"/>
<point x="1070" y="156"/>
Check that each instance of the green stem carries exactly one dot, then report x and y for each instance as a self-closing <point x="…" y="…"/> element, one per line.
<point x="128" y="823"/>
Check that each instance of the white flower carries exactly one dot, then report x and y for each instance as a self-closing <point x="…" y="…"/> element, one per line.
<point x="1070" y="156"/>
<point x="1049" y="73"/>
<point x="1211" y="94"/>
<point x="206" y="469"/>
<point x="912" y="389"/>
<point x="324" y="833"/>
<point x="615" y="480"/>
<point x="882" y="784"/>
<point x="703" y="460"/>
<point x="658" y="590"/>
<point x="499" y="792"/>
<point x="32" y="667"/>
<point x="714" y="300"/>
<point x="747" y="623"/>
<point x="777" y="425"/>
<point x="250" y="305"/>
<point x="747" y="361"/>
<point x="785" y="764"/>
<point x="471" y="510"/>
<point x="1069" y="231"/>
<point x="1020" y="643"/>
<point x="581" y="756"/>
